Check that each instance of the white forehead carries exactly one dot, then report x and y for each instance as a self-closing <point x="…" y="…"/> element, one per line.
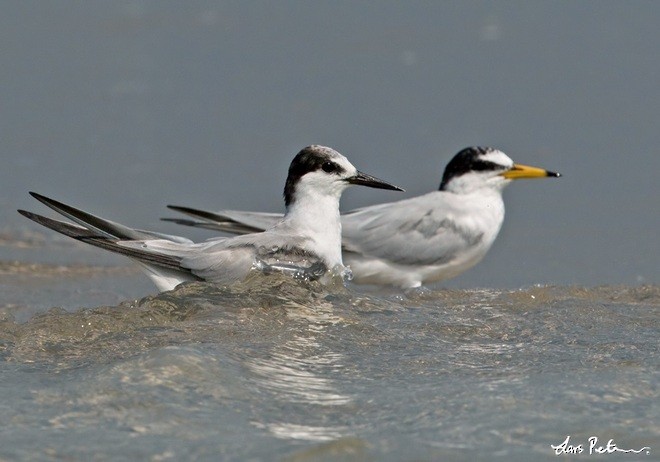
<point x="497" y="157"/>
<point x="324" y="151"/>
<point x="334" y="156"/>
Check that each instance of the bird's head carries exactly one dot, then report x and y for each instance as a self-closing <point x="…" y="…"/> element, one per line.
<point x="476" y="168"/>
<point x="322" y="171"/>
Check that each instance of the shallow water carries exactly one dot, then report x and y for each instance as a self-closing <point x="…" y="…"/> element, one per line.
<point x="274" y="369"/>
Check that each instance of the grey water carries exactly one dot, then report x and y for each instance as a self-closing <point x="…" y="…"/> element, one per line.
<point x="121" y="108"/>
<point x="276" y="369"/>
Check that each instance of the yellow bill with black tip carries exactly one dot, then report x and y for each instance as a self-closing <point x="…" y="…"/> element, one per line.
<point x="525" y="171"/>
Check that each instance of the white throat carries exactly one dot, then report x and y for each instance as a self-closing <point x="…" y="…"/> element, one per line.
<point x="476" y="183"/>
<point x="316" y="216"/>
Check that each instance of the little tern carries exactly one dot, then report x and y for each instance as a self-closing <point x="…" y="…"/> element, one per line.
<point x="305" y="242"/>
<point x="416" y="241"/>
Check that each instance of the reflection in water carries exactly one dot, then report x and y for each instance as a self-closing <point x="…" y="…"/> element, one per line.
<point x="285" y="430"/>
<point x="299" y="372"/>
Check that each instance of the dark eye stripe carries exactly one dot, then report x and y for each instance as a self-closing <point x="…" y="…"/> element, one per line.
<point x="330" y="167"/>
<point x="469" y="160"/>
<point x="310" y="159"/>
<point x="483" y="165"/>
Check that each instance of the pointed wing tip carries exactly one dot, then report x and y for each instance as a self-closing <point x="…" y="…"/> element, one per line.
<point x="35" y="217"/>
<point x="25" y="213"/>
<point x="43" y="199"/>
<point x="178" y="221"/>
<point x="183" y="209"/>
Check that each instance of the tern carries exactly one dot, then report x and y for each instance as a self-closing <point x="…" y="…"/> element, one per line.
<point x="305" y="242"/>
<point x="416" y="241"/>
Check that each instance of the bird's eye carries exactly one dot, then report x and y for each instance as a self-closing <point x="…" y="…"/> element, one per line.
<point x="329" y="167"/>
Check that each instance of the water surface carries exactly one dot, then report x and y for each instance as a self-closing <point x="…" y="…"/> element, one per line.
<point x="273" y="369"/>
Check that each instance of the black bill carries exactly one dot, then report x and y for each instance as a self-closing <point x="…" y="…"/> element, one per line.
<point x="371" y="181"/>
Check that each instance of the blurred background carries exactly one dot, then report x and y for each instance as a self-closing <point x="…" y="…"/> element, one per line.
<point x="123" y="107"/>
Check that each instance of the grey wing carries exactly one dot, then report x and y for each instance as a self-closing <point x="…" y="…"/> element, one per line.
<point x="212" y="260"/>
<point x="409" y="232"/>
<point x="105" y="241"/>
<point x="225" y="260"/>
<point x="168" y="260"/>
<point x="229" y="221"/>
